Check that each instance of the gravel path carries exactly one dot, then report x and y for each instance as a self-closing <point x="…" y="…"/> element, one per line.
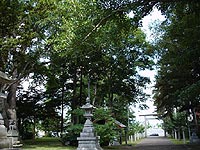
<point x="158" y="143"/>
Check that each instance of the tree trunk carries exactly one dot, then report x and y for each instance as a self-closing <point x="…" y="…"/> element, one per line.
<point x="74" y="103"/>
<point x="34" y="126"/>
<point x="11" y="104"/>
<point x="62" y="111"/>
<point x="95" y="94"/>
<point x="11" y="99"/>
<point x="110" y="89"/>
<point x="81" y="87"/>
<point x="81" y="91"/>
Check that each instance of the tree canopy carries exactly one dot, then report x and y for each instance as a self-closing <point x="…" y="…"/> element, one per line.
<point x="59" y="45"/>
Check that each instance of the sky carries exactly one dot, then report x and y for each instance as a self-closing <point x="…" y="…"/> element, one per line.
<point x="146" y="22"/>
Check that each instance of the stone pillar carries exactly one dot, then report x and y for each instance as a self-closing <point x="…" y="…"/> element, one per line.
<point x="135" y="136"/>
<point x="175" y="134"/>
<point x="145" y="126"/>
<point x="194" y="138"/>
<point x="88" y="139"/>
<point x="4" y="141"/>
<point x="183" y="132"/>
<point x="179" y="134"/>
<point x="131" y="138"/>
<point x="165" y="133"/>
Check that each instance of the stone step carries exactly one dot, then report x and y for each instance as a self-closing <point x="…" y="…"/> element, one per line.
<point x="11" y="149"/>
<point x="17" y="145"/>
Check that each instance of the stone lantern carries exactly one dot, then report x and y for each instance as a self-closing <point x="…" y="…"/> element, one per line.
<point x="88" y="139"/>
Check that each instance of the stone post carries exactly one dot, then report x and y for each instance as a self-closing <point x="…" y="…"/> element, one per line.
<point x="145" y="126"/>
<point x="183" y="132"/>
<point x="135" y="136"/>
<point x="175" y="134"/>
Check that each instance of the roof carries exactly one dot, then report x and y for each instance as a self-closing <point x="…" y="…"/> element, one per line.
<point x="4" y="78"/>
<point x="103" y="121"/>
<point x="120" y="124"/>
<point x="149" y="115"/>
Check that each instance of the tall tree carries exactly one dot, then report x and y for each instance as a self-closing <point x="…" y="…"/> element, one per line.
<point x="178" y="77"/>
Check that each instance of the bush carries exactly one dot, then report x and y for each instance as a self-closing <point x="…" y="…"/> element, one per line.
<point x="28" y="135"/>
<point x="104" y="126"/>
<point x="70" y="138"/>
<point x="107" y="133"/>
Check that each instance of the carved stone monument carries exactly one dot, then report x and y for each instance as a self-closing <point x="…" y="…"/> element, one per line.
<point x="4" y="140"/>
<point x="192" y="118"/>
<point x="13" y="134"/>
<point x="88" y="139"/>
<point x="8" y="132"/>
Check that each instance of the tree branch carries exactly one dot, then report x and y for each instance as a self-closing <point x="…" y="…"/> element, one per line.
<point x="145" y="11"/>
<point x="100" y="23"/>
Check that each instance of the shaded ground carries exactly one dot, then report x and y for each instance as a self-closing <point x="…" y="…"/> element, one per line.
<point x="156" y="143"/>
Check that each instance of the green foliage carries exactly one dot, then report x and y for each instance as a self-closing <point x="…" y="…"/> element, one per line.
<point x="176" y="122"/>
<point x="136" y="127"/>
<point x="59" y="44"/>
<point x="72" y="132"/>
<point x="78" y="112"/>
<point x="20" y="33"/>
<point x="105" y="126"/>
<point x="107" y="132"/>
<point x="102" y="113"/>
<point x="107" y="47"/>
<point x="178" y="76"/>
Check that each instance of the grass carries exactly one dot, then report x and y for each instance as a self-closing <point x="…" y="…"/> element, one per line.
<point x="135" y="142"/>
<point x="55" y="144"/>
<point x="48" y="143"/>
<point x="45" y="144"/>
<point x="178" y="142"/>
<point x="188" y="145"/>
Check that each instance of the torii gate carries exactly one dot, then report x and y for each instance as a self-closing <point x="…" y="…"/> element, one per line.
<point x="145" y="121"/>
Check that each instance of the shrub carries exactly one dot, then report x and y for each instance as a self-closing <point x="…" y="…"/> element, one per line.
<point x="70" y="138"/>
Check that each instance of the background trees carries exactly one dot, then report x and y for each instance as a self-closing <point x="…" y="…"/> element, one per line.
<point x="178" y="76"/>
<point x="22" y="41"/>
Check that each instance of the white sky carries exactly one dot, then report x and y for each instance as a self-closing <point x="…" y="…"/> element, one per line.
<point x="146" y="22"/>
